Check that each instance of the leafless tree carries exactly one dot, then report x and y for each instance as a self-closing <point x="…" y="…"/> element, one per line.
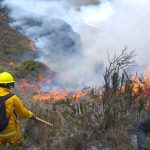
<point x="112" y="99"/>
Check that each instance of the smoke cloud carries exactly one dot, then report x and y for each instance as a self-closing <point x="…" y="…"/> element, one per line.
<point x="74" y="42"/>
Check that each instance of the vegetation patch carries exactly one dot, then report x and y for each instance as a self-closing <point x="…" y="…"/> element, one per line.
<point x="29" y="69"/>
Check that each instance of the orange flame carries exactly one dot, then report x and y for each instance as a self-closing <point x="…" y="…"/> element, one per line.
<point x="50" y="96"/>
<point x="26" y="86"/>
<point x="144" y="85"/>
<point x="42" y="80"/>
<point x="53" y="95"/>
<point x="57" y="95"/>
<point x="77" y="95"/>
<point x="136" y="84"/>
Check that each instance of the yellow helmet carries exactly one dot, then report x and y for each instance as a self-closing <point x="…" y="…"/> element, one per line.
<point x="6" y="77"/>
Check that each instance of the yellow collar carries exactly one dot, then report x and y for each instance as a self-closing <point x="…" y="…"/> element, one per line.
<point x="4" y="91"/>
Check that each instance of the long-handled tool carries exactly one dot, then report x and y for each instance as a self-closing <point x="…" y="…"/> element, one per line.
<point x="43" y="121"/>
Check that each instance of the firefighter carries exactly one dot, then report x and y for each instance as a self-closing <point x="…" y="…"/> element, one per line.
<point x="11" y="133"/>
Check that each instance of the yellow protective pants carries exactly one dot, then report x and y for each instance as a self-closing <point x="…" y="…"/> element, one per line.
<point x="14" y="138"/>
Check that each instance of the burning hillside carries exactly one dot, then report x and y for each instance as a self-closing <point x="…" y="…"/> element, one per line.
<point x="47" y="89"/>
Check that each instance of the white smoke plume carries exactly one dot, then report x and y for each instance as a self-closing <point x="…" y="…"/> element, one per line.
<point x="108" y="26"/>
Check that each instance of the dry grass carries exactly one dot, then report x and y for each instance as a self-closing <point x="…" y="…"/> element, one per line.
<point x="77" y="126"/>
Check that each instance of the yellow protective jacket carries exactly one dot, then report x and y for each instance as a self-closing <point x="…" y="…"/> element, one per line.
<point x="12" y="132"/>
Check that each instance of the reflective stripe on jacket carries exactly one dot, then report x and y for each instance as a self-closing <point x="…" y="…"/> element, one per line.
<point x="12" y="133"/>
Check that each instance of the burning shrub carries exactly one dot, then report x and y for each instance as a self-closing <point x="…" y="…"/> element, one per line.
<point x="77" y="123"/>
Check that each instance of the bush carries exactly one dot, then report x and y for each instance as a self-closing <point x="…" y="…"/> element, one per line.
<point x="29" y="69"/>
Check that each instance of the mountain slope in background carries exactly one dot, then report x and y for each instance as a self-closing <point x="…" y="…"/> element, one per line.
<point x="17" y="53"/>
<point x="13" y="46"/>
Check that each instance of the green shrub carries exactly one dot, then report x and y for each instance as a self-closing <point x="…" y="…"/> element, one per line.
<point x="29" y="69"/>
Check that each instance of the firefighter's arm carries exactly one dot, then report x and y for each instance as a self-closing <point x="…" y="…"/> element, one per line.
<point x="20" y="109"/>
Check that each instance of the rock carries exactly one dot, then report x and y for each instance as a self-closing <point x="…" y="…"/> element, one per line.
<point x="5" y="32"/>
<point x="99" y="146"/>
<point x="34" y="148"/>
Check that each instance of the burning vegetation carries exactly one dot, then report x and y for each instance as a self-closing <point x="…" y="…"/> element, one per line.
<point x="86" y="117"/>
<point x="51" y="95"/>
<point x="83" y="119"/>
<point x="141" y="88"/>
<point x="137" y="87"/>
<point x="102" y="115"/>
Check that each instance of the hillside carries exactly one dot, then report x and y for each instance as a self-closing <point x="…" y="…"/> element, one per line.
<point x="103" y="118"/>
<point x="17" y="53"/>
<point x="13" y="45"/>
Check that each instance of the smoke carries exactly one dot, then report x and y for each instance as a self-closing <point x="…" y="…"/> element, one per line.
<point x="74" y="42"/>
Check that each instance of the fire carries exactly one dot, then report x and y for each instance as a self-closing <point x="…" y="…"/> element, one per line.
<point x="144" y="85"/>
<point x="51" y="95"/>
<point x="42" y="80"/>
<point x="136" y="84"/>
<point x="26" y="86"/>
<point x="77" y="95"/>
<point x="57" y="95"/>
<point x="141" y="88"/>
